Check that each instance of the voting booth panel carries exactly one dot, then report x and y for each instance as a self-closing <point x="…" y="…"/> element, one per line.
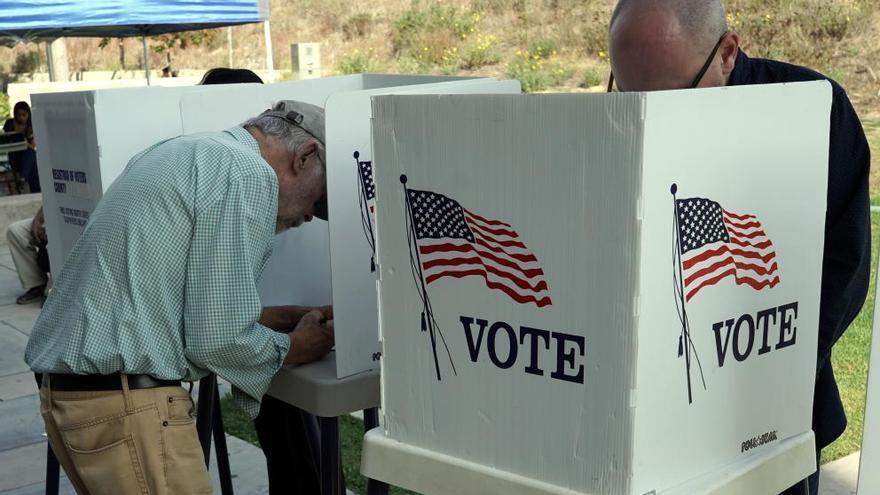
<point x="85" y="140"/>
<point x="599" y="293"/>
<point x="351" y="189"/>
<point x="869" y="462"/>
<point x="91" y="136"/>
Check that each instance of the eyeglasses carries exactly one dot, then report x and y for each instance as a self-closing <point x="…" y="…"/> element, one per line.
<point x="700" y="74"/>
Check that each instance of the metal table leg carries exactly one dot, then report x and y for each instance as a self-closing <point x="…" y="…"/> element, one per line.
<point x="205" y="413"/>
<point x="330" y="465"/>
<point x="53" y="471"/>
<point x="223" y="468"/>
<point x="209" y="423"/>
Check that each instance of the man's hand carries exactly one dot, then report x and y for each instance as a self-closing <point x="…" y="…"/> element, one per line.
<point x="283" y="318"/>
<point x="311" y="340"/>
<point x="327" y="311"/>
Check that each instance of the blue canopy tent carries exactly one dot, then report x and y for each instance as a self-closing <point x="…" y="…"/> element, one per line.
<point x="39" y="20"/>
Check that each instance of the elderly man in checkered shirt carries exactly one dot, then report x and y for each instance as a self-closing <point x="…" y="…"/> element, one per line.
<point x="162" y="288"/>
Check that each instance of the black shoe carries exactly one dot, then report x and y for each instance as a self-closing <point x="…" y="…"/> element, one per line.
<point x="31" y="295"/>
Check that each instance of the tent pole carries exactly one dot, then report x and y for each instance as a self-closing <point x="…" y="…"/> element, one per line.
<point x="270" y="64"/>
<point x="229" y="44"/>
<point x="146" y="59"/>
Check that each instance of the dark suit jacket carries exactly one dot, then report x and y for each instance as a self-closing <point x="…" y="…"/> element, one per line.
<point x="847" y="261"/>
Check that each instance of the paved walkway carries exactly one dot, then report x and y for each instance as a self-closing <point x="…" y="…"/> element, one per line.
<point x="23" y="445"/>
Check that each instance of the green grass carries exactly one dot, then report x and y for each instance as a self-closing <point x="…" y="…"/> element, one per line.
<point x="236" y="422"/>
<point x="351" y="435"/>
<point x="872" y="131"/>
<point x="850" y="360"/>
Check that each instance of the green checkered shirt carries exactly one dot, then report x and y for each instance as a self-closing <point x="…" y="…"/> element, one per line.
<point x="163" y="280"/>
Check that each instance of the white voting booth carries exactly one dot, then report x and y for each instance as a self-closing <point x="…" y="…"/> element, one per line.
<point x="599" y="294"/>
<point x="869" y="462"/>
<point x="87" y="138"/>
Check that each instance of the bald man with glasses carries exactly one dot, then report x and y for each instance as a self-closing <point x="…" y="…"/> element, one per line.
<point x="679" y="44"/>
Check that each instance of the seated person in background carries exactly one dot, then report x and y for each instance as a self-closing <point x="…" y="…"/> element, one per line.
<point x="24" y="162"/>
<point x="27" y="238"/>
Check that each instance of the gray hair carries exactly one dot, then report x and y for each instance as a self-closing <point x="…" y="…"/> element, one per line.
<point x="291" y="136"/>
<point x="703" y="21"/>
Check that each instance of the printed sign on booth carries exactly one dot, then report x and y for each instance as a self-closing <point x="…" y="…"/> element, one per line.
<point x="574" y="286"/>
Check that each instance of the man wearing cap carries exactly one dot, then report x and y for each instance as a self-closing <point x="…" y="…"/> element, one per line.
<point x="161" y="288"/>
<point x="678" y="44"/>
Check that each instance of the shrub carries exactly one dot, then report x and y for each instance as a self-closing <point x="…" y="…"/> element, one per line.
<point x="355" y="63"/>
<point x="436" y="39"/>
<point x="5" y="111"/>
<point x="809" y="32"/>
<point x="357" y="26"/>
<point x="26" y="62"/>
<point x="593" y="77"/>
<point x="437" y="22"/>
<point x="529" y="70"/>
<point x="538" y="73"/>
<point x="559" y="74"/>
<point x="482" y="52"/>
<point x="544" y="48"/>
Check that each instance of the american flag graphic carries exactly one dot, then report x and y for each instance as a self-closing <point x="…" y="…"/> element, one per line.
<point x="367" y="201"/>
<point x="365" y="169"/>
<point x="717" y="244"/>
<point x="455" y="242"/>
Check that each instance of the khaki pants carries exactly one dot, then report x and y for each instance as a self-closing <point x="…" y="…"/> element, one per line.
<point x="126" y="441"/>
<point x="23" y="247"/>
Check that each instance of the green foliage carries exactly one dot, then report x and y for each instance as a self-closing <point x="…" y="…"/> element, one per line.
<point x="436" y="39"/>
<point x="183" y="40"/>
<point x="850" y="360"/>
<point x="837" y="74"/>
<point x="236" y="422"/>
<point x="538" y="73"/>
<point x="357" y="62"/>
<point x="544" y="48"/>
<point x="357" y="26"/>
<point x="481" y="52"/>
<point x="412" y="28"/>
<point x="26" y="62"/>
<point x="5" y="110"/>
<point x="593" y="77"/>
<point x="807" y="32"/>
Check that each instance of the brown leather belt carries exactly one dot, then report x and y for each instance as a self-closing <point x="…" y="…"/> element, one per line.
<point x="85" y="383"/>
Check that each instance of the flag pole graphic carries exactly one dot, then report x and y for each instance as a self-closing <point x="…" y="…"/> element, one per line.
<point x="366" y="221"/>
<point x="685" y="344"/>
<point x="684" y="340"/>
<point x="427" y="312"/>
